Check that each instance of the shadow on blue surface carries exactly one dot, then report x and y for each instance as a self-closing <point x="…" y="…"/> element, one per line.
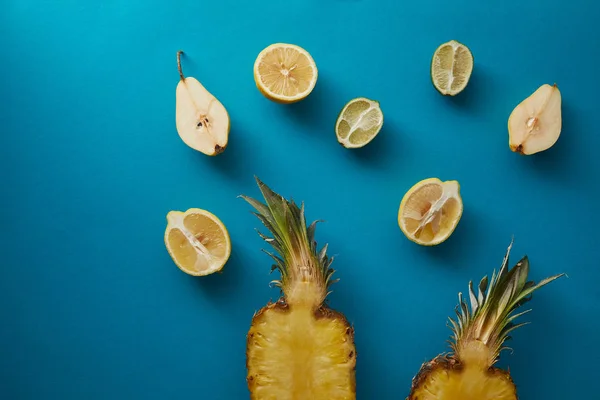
<point x="230" y="280"/>
<point x="473" y="96"/>
<point x="557" y="163"/>
<point x="311" y="113"/>
<point x="236" y="161"/>
<point x="455" y="250"/>
<point x="379" y="153"/>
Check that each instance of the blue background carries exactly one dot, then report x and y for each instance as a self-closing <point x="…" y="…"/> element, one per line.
<point x="91" y="305"/>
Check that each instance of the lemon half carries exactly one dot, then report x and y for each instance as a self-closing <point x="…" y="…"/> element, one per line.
<point x="285" y="73"/>
<point x="197" y="241"/>
<point x="430" y="211"/>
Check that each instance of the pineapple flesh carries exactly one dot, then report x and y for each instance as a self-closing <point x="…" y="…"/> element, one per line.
<point x="479" y="334"/>
<point x="298" y="348"/>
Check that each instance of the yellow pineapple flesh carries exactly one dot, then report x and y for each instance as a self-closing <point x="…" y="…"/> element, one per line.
<point x="479" y="334"/>
<point x="446" y="379"/>
<point x="298" y="348"/>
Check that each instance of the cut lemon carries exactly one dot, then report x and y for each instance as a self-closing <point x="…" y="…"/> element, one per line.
<point x="451" y="68"/>
<point x="285" y="73"/>
<point x="359" y="122"/>
<point x="430" y="211"/>
<point x="197" y="241"/>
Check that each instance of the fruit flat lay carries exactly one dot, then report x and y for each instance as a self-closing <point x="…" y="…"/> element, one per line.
<point x="299" y="201"/>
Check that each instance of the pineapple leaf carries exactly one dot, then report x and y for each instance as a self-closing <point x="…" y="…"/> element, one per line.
<point x="493" y="310"/>
<point x="323" y="253"/>
<point x="275" y="203"/>
<point x="301" y="217"/>
<point x="267" y="239"/>
<point x="454" y="327"/>
<point x="533" y="287"/>
<point x="459" y="321"/>
<point x="310" y="233"/>
<point x="512" y="327"/>
<point x="298" y="259"/>
<point x="271" y="227"/>
<point x="482" y="287"/>
<point x="510" y="319"/>
<point x="473" y="298"/>
<point x="275" y="283"/>
<point x="260" y="207"/>
<point x="464" y="308"/>
<point x="279" y="263"/>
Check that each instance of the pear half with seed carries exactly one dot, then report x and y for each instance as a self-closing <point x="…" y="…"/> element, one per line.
<point x="202" y="121"/>
<point x="535" y="124"/>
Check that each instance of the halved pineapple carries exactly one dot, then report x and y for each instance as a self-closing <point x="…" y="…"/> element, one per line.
<point x="478" y="338"/>
<point x="298" y="348"/>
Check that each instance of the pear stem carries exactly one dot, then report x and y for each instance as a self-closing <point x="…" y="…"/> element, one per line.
<point x="179" y="53"/>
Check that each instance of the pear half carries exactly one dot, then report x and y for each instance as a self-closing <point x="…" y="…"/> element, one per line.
<point x="535" y="124"/>
<point x="202" y="121"/>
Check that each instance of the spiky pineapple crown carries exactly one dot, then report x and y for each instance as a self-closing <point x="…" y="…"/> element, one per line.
<point x="491" y="318"/>
<point x="305" y="271"/>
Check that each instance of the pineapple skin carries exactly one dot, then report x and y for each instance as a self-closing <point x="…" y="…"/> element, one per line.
<point x="448" y="364"/>
<point x="284" y="382"/>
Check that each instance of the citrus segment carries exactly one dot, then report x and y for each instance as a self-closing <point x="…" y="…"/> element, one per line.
<point x="285" y="73"/>
<point x="451" y="67"/>
<point x="430" y="211"/>
<point x="197" y="241"/>
<point x="359" y="122"/>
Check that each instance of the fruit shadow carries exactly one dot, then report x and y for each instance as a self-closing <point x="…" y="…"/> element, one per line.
<point x="235" y="161"/>
<point x="558" y="162"/>
<point x="473" y="96"/>
<point x="380" y="151"/>
<point x="454" y="251"/>
<point x="313" y="111"/>
<point x="534" y="357"/>
<point x="220" y="286"/>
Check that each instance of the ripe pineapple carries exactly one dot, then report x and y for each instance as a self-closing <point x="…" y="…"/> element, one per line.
<point x="298" y="348"/>
<point x="478" y="338"/>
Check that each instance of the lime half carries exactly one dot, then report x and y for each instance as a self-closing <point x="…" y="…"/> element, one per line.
<point x="451" y="68"/>
<point x="359" y="122"/>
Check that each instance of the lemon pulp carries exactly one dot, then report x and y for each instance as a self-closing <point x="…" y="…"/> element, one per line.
<point x="430" y="211"/>
<point x="197" y="241"/>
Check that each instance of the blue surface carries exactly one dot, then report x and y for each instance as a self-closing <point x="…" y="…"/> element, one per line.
<point x="93" y="307"/>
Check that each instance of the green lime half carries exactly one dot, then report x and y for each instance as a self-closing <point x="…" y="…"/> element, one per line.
<point x="451" y="68"/>
<point x="359" y="122"/>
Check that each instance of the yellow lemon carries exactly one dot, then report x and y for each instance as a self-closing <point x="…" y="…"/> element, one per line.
<point x="197" y="241"/>
<point x="430" y="211"/>
<point x="285" y="73"/>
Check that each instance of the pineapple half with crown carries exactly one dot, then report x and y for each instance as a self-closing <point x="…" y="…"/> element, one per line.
<point x="298" y="348"/>
<point x="478" y="338"/>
